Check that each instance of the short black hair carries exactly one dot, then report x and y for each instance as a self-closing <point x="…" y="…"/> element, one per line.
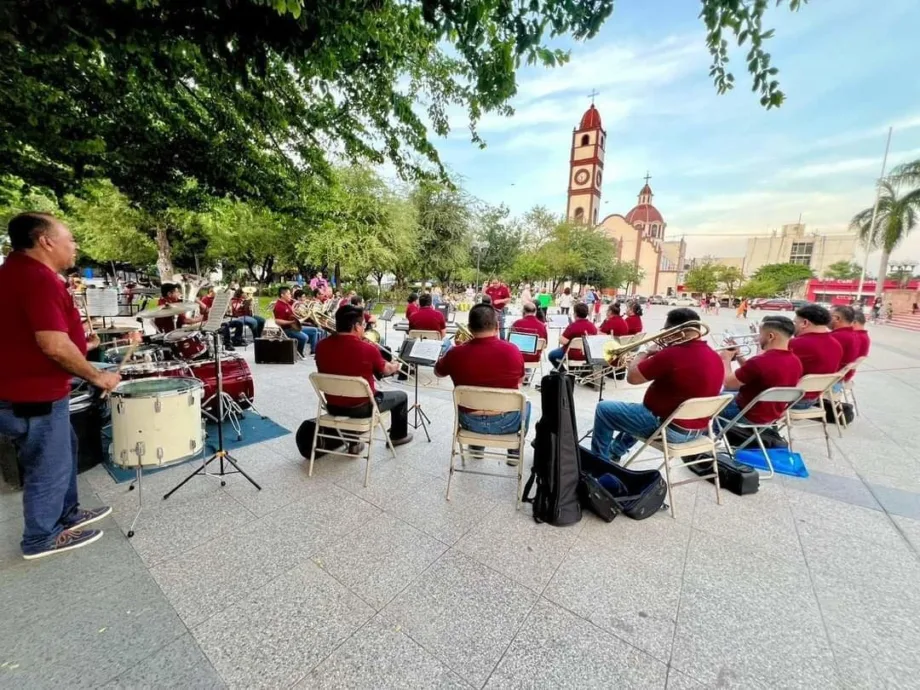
<point x="347" y="317"/>
<point x="413" y="297"/>
<point x="613" y="308"/>
<point x="814" y="313"/>
<point x="238" y="293"/>
<point x="859" y="317"/>
<point x="282" y="290"/>
<point x="635" y="306"/>
<point x="482" y="319"/>
<point x="846" y="313"/>
<point x="530" y="308"/>
<point x="486" y="300"/>
<point x="298" y="293"/>
<point x="24" y="229"/>
<point x="166" y="288"/>
<point x="581" y="310"/>
<point x="779" y="324"/>
<point x="680" y="316"/>
<point x="356" y="300"/>
<point x="424" y="300"/>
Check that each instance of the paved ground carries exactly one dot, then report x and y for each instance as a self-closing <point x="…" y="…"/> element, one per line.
<point x="318" y="582"/>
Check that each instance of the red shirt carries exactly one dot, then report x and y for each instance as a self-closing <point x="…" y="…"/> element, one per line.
<point x="207" y="301"/>
<point x="769" y="369"/>
<point x="633" y="324"/>
<point x="849" y="342"/>
<point x="488" y="362"/>
<point x="348" y="355"/>
<point x="819" y="353"/>
<point x="531" y="324"/>
<point x="427" y="319"/>
<point x="411" y="308"/>
<point x="237" y="308"/>
<point x="862" y="339"/>
<point x="36" y="299"/>
<point x="577" y="329"/>
<point x="284" y="311"/>
<point x="498" y="292"/>
<point x="616" y="326"/>
<point x="165" y="324"/>
<point x="678" y="373"/>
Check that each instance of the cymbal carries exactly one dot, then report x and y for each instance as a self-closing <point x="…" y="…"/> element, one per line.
<point x="174" y="309"/>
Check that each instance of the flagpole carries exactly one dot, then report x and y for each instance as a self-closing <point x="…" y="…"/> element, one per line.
<point x="878" y="197"/>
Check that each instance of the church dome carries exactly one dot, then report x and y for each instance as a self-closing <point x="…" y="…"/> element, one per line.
<point x="645" y="214"/>
<point x="591" y="119"/>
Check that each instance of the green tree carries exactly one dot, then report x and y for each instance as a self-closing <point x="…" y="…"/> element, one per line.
<point x="703" y="279"/>
<point x="758" y="287"/>
<point x="897" y="216"/>
<point x="633" y="275"/>
<point x="17" y="197"/>
<point x="729" y="277"/>
<point x="444" y="219"/>
<point x="843" y="270"/>
<point x="528" y="267"/>
<point x="503" y="237"/>
<point x="783" y="278"/>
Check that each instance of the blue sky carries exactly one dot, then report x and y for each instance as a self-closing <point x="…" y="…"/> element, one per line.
<point x="720" y="165"/>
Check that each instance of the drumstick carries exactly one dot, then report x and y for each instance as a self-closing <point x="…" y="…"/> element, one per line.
<point x="130" y="351"/>
<point x="89" y="319"/>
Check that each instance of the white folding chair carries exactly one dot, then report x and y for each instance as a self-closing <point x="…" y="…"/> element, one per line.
<point x="420" y="334"/>
<point x="849" y="390"/>
<point x="355" y="429"/>
<point x="491" y="400"/>
<point x="694" y="408"/>
<point x="531" y="368"/>
<point x="787" y="397"/>
<point x="576" y="367"/>
<point x="823" y="385"/>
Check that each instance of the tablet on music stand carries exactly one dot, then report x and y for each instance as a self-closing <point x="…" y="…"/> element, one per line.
<point x="558" y="320"/>
<point x="525" y="342"/>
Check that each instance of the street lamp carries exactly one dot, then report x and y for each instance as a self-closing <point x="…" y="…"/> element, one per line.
<point x="479" y="246"/>
<point x="903" y="269"/>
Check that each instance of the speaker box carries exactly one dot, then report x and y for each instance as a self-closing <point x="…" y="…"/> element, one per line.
<point x="275" y="351"/>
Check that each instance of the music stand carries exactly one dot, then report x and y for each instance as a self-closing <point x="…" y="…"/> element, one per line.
<point x="420" y="353"/>
<point x="386" y="317"/>
<point x="212" y="327"/>
<point x="594" y="354"/>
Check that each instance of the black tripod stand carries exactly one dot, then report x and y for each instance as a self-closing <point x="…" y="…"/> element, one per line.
<point x="221" y="453"/>
<point x="421" y="419"/>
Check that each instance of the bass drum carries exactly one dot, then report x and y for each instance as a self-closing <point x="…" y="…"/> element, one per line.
<point x="156" y="422"/>
<point x="238" y="383"/>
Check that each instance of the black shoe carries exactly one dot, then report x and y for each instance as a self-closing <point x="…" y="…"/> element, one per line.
<point x="238" y="343"/>
<point x="514" y="457"/>
<point x="229" y="347"/>
<point x="355" y="448"/>
<point x="401" y="441"/>
<point x="476" y="452"/>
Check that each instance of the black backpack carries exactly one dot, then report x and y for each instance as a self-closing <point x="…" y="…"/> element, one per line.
<point x="556" y="470"/>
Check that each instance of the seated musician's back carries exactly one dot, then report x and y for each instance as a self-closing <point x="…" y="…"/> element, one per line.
<point x="427" y="318"/>
<point x="817" y="350"/>
<point x="529" y="323"/>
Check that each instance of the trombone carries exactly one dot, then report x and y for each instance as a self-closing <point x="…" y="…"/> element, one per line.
<point x="744" y="344"/>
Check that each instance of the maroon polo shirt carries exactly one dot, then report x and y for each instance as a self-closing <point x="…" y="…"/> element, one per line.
<point x="578" y="329"/>
<point x="615" y="326"/>
<point x="678" y="373"/>
<point x="531" y="324"/>
<point x="164" y="324"/>
<point x="633" y="324"/>
<point x="488" y="362"/>
<point x="36" y="299"/>
<point x="411" y="308"/>
<point x="284" y="311"/>
<point x="862" y="340"/>
<point x="207" y="301"/>
<point x="499" y="292"/>
<point x="427" y="319"/>
<point x="349" y="355"/>
<point x="769" y="369"/>
<point x="819" y="353"/>
<point x="849" y="342"/>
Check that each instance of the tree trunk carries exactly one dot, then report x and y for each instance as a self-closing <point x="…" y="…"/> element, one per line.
<point x="164" y="256"/>
<point x="882" y="273"/>
<point x="338" y="276"/>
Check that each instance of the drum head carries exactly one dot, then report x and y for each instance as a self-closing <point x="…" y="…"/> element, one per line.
<point x="157" y="387"/>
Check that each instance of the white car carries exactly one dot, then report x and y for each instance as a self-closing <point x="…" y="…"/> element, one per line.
<point x="683" y="302"/>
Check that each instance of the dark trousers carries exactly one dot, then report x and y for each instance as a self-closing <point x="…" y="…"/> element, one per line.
<point x="396" y="402"/>
<point x="47" y="447"/>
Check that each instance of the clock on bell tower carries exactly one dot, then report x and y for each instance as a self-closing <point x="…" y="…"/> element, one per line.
<point x="586" y="168"/>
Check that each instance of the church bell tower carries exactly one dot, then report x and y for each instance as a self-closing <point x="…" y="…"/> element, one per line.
<point x="586" y="167"/>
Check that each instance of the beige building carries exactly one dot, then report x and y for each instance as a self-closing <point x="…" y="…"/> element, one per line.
<point x="793" y="245"/>
<point x="640" y="233"/>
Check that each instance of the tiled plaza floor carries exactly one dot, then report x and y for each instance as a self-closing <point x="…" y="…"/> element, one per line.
<point x="321" y="583"/>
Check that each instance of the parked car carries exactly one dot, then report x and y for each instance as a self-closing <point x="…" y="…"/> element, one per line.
<point x="657" y="299"/>
<point x="683" y="302"/>
<point x="796" y="303"/>
<point x="776" y="305"/>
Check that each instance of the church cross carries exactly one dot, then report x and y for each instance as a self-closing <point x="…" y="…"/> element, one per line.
<point x="647" y="177"/>
<point x="593" y="93"/>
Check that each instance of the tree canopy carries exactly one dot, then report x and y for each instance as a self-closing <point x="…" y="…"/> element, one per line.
<point x="775" y="279"/>
<point x="843" y="270"/>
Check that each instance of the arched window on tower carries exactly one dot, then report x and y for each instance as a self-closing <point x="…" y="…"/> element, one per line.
<point x="595" y="216"/>
<point x="579" y="214"/>
<point x="585" y="140"/>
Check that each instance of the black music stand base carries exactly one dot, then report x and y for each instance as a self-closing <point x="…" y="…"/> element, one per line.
<point x="421" y="419"/>
<point x="221" y="453"/>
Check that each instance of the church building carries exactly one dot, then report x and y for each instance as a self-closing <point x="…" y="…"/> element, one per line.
<point x="639" y="234"/>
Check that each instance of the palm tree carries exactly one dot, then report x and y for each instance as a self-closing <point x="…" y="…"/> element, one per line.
<point x="898" y="214"/>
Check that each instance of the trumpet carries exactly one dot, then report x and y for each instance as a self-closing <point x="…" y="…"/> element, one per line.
<point x="745" y="344"/>
<point x="463" y="334"/>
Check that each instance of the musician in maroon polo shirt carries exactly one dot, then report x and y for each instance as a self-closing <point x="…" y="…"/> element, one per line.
<point x="776" y="366"/>
<point x="529" y="323"/>
<point x="859" y="327"/>
<point x="347" y="354"/>
<point x="500" y="297"/>
<point x="817" y="350"/>
<point x="43" y="347"/>
<point x="614" y="324"/>
<point x="488" y="361"/>
<point x="677" y="373"/>
<point x="633" y="317"/>
<point x="427" y="318"/>
<point x="579" y="328"/>
<point x="411" y="304"/>
<point x="842" y="331"/>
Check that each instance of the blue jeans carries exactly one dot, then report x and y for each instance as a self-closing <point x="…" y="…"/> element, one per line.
<point x="805" y="404"/>
<point x="630" y="420"/>
<point x="495" y="424"/>
<point x="47" y="447"/>
<point x="255" y="323"/>
<point x="556" y="356"/>
<point x="307" y="334"/>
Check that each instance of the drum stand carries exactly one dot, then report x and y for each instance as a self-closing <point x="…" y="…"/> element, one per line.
<point x="421" y="419"/>
<point x="220" y="453"/>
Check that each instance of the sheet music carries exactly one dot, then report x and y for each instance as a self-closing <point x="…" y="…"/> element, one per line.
<point x="594" y="346"/>
<point x="218" y="309"/>
<point x="387" y="314"/>
<point x="558" y="320"/>
<point x="428" y="350"/>
<point x="101" y="301"/>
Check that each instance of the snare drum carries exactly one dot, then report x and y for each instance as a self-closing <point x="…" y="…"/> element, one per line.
<point x="143" y="353"/>
<point x="237" y="376"/>
<point x="156" y="421"/>
<point x="148" y="370"/>
<point x="187" y="345"/>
